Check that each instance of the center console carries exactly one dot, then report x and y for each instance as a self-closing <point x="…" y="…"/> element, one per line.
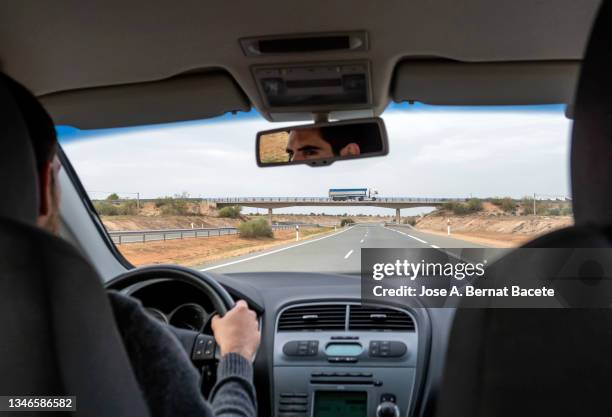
<point x="344" y="360"/>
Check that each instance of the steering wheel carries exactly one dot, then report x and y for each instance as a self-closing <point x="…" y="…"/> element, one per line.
<point x="200" y="347"/>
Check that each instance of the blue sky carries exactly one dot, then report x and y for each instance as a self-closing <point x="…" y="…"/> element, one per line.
<point x="434" y="152"/>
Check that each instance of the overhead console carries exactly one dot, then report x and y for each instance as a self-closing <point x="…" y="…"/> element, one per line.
<point x="344" y="359"/>
<point x="314" y="86"/>
<point x="292" y="89"/>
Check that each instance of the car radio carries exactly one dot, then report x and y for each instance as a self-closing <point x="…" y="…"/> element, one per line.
<point x="363" y="392"/>
<point x="348" y="374"/>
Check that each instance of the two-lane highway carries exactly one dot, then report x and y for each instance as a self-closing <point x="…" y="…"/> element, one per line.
<point x="339" y="252"/>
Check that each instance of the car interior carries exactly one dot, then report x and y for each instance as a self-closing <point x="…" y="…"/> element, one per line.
<point x="113" y="64"/>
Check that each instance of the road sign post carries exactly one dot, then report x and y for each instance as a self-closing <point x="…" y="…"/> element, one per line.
<point x="297" y="232"/>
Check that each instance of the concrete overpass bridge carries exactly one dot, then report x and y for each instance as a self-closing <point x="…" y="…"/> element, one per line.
<point x="271" y="203"/>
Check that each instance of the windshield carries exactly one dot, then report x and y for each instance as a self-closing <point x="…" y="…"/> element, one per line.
<point x="191" y="193"/>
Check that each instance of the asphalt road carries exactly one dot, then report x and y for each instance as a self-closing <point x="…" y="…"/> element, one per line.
<point x="336" y="253"/>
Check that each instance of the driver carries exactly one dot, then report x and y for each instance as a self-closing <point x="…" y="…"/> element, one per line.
<point x="170" y="383"/>
<point x="321" y="142"/>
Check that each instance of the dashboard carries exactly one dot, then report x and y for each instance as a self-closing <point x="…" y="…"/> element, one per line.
<point x="322" y="352"/>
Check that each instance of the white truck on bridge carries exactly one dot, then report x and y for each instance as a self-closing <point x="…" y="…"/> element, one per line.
<point x="352" y="194"/>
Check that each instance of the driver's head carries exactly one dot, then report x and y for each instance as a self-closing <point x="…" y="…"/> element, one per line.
<point x="44" y="142"/>
<point x="318" y="143"/>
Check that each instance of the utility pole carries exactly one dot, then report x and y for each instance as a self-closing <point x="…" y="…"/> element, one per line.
<point x="534" y="204"/>
<point x="138" y="201"/>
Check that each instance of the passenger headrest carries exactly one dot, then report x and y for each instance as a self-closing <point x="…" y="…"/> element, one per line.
<point x="18" y="176"/>
<point x="591" y="155"/>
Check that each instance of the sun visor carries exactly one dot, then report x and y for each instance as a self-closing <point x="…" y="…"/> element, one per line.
<point x="181" y="98"/>
<point x="487" y="84"/>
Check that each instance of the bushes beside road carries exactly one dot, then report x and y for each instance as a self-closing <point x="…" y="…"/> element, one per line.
<point x="347" y="222"/>
<point x="509" y="206"/>
<point x="410" y="221"/>
<point x="174" y="206"/>
<point x="473" y="205"/>
<point x="255" y="228"/>
<point x="111" y="206"/>
<point x="108" y="208"/>
<point x="232" y="212"/>
<point x="545" y="208"/>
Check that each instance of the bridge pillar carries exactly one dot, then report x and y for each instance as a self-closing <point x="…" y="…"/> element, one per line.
<point x="397" y="216"/>
<point x="270" y="215"/>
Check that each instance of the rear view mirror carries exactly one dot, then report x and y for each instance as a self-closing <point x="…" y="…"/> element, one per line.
<point x="320" y="144"/>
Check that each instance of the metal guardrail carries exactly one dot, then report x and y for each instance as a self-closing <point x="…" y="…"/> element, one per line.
<point x="238" y="200"/>
<point x="143" y="236"/>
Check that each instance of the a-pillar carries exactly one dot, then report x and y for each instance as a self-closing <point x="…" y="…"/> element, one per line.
<point x="270" y="215"/>
<point x="397" y="216"/>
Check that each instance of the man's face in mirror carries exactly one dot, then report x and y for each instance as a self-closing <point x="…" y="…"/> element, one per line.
<point x="305" y="144"/>
<point x="308" y="144"/>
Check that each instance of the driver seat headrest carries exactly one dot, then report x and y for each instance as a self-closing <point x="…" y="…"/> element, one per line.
<point x="18" y="176"/>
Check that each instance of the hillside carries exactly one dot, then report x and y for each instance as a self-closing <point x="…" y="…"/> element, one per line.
<point x="492" y="226"/>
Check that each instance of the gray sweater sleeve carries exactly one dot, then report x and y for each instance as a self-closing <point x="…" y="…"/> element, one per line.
<point x="168" y="380"/>
<point x="234" y="393"/>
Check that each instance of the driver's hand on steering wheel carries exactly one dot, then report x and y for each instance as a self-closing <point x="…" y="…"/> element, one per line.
<point x="237" y="331"/>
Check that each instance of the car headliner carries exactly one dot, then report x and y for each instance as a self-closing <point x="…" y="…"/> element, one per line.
<point x="71" y="53"/>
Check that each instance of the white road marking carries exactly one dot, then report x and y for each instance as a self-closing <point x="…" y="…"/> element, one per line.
<point x="406" y="234"/>
<point x="250" y="258"/>
<point x="421" y="240"/>
<point x="348" y="254"/>
<point x="416" y="238"/>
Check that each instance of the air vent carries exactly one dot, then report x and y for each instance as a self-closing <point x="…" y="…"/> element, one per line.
<point x="378" y="318"/>
<point x="313" y="317"/>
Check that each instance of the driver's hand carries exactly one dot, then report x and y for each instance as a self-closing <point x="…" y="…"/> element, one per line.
<point x="237" y="331"/>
